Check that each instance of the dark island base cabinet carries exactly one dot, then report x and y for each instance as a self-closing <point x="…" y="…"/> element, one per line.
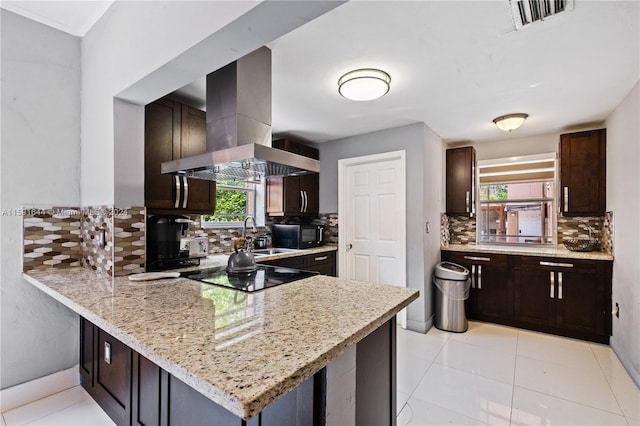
<point x="134" y="391"/>
<point x="568" y="297"/>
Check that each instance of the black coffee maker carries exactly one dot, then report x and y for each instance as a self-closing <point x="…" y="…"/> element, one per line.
<point x="163" y="241"/>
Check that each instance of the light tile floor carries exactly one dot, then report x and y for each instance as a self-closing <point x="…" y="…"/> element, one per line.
<point x="501" y="375"/>
<point x="489" y="375"/>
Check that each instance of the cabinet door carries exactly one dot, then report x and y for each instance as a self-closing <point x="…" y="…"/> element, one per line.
<point x="535" y="294"/>
<point x="294" y="195"/>
<point x="146" y="396"/>
<point x="580" y="299"/>
<point x="86" y="353"/>
<point x="113" y="377"/>
<point x="200" y="194"/>
<point x="187" y="406"/>
<point x="309" y="185"/>
<point x="583" y="173"/>
<point x="161" y="143"/>
<point x="460" y="180"/>
<point x="493" y="293"/>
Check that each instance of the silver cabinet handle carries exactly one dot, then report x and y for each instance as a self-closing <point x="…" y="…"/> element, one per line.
<point x="552" y="276"/>
<point x="467" y="201"/>
<point x="177" y="203"/>
<point x="479" y="277"/>
<point x="186" y="193"/>
<point x="473" y="276"/>
<point x="318" y="259"/>
<point x="482" y="259"/>
<point x="559" y="285"/>
<point x="301" y="201"/>
<point x="566" y="199"/>
<point x="107" y="352"/>
<point x="560" y="265"/>
<point x="306" y="201"/>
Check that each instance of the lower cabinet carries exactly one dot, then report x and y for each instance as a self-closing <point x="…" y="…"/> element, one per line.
<point x="105" y="370"/>
<point x="571" y="295"/>
<point x="324" y="263"/>
<point x="568" y="297"/>
<point x="491" y="290"/>
<point x="133" y="390"/>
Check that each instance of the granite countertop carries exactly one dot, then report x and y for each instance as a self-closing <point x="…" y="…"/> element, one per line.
<point x="529" y="251"/>
<point x="241" y="350"/>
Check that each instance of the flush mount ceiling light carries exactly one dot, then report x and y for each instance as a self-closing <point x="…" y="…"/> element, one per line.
<point x="510" y="122"/>
<point x="364" y="84"/>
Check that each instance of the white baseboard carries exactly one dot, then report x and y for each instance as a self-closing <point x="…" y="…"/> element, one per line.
<point x="25" y="393"/>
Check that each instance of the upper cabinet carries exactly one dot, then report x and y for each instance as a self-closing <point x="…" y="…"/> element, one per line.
<point x="461" y="181"/>
<point x="172" y="131"/>
<point x="294" y="195"/>
<point x="583" y="173"/>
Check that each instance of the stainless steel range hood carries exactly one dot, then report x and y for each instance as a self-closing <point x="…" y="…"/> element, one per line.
<point x="239" y="127"/>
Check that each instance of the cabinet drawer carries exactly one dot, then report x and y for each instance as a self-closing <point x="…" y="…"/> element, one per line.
<point x="297" y="262"/>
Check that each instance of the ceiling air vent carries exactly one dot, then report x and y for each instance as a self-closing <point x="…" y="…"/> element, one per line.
<point x="525" y="12"/>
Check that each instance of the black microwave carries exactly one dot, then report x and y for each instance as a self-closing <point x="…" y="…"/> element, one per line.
<point x="297" y="236"/>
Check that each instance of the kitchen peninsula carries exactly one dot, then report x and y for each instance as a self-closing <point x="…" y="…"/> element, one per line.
<point x="245" y="353"/>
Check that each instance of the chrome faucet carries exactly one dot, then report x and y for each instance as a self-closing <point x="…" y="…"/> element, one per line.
<point x="244" y="229"/>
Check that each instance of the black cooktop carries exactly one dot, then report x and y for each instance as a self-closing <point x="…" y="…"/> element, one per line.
<point x="263" y="277"/>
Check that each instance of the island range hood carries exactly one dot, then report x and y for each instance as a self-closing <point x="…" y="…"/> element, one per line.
<point x="239" y="128"/>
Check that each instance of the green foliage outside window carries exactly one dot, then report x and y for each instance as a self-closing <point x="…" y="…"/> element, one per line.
<point x="231" y="203"/>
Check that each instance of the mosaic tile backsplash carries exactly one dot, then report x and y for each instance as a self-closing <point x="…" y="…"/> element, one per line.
<point x="52" y="238"/>
<point x="62" y="237"/>
<point x="221" y="239"/>
<point x="97" y="238"/>
<point x="462" y="229"/>
<point x="129" y="241"/>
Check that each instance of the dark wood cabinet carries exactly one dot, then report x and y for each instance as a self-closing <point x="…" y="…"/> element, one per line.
<point x="294" y="195"/>
<point x="491" y="287"/>
<point x="133" y="390"/>
<point x="172" y="131"/>
<point x="568" y="297"/>
<point x="460" y="181"/>
<point x="324" y="263"/>
<point x="571" y="295"/>
<point x="105" y="369"/>
<point x="583" y="173"/>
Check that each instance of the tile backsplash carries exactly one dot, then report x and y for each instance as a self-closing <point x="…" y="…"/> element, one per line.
<point x="103" y="238"/>
<point x="52" y="238"/>
<point x="129" y="240"/>
<point x="112" y="240"/>
<point x="462" y="229"/>
<point x="96" y="226"/>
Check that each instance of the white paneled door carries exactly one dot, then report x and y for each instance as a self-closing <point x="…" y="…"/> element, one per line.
<point x="372" y="219"/>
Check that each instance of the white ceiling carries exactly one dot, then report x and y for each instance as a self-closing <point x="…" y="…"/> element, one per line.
<point x="73" y="17"/>
<point x="454" y="66"/>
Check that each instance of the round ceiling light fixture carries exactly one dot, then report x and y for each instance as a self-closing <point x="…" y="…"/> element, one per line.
<point x="510" y="122"/>
<point x="364" y="84"/>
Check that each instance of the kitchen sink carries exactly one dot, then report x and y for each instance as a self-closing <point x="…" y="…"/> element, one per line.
<point x="272" y="251"/>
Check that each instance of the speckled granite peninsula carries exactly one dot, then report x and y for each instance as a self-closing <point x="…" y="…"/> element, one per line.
<point x="241" y="350"/>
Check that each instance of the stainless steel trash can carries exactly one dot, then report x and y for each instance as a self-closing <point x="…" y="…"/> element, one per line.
<point x="452" y="285"/>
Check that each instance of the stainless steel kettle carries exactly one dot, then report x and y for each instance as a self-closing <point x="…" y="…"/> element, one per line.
<point x="242" y="260"/>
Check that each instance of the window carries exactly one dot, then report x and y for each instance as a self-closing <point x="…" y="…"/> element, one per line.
<point x="517" y="200"/>
<point x="234" y="201"/>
